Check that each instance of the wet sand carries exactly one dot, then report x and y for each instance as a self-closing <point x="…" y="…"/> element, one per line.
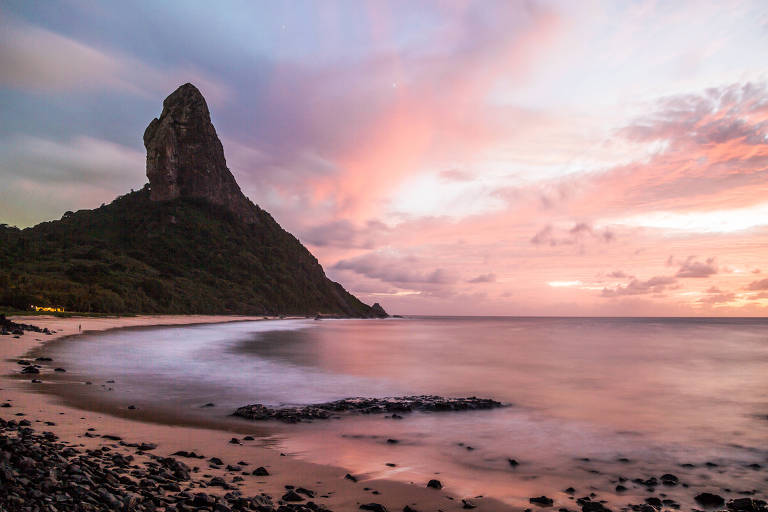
<point x="70" y="424"/>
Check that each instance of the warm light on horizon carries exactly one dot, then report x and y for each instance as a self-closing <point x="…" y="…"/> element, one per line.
<point x="439" y="157"/>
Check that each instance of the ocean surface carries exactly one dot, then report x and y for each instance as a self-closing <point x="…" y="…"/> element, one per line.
<point x="591" y="400"/>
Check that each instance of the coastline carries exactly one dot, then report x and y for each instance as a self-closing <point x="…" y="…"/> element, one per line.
<point x="332" y="489"/>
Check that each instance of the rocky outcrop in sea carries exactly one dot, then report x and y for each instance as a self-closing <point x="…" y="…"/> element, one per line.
<point x="393" y="405"/>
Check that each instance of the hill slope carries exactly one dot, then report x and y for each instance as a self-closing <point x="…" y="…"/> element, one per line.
<point x="188" y="242"/>
<point x="179" y="256"/>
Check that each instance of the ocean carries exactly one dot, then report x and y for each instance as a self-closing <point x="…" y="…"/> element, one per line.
<point x="592" y="402"/>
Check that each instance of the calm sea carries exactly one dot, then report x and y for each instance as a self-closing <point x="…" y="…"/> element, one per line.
<point x="637" y="397"/>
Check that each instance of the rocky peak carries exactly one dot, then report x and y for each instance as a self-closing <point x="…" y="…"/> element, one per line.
<point x="185" y="157"/>
<point x="378" y="311"/>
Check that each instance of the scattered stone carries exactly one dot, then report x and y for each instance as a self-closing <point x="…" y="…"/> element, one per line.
<point x="292" y="496"/>
<point x="373" y="507"/>
<point x="260" y="471"/>
<point x="709" y="500"/>
<point x="669" y="479"/>
<point x="746" y="505"/>
<point x="654" y="502"/>
<point x="350" y="477"/>
<point x="217" y="481"/>
<point x="38" y="473"/>
<point x="305" y="492"/>
<point x="594" y="506"/>
<point x="188" y="455"/>
<point x="542" y="501"/>
<point x="435" y="484"/>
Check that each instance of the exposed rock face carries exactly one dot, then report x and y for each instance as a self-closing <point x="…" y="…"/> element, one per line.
<point x="185" y="157"/>
<point x="378" y="311"/>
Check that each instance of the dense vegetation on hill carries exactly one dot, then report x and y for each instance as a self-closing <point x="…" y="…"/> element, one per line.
<point x="182" y="256"/>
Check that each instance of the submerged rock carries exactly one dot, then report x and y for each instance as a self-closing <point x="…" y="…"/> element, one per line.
<point x="424" y="403"/>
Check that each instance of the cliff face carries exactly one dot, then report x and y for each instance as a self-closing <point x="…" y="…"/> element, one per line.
<point x="185" y="157"/>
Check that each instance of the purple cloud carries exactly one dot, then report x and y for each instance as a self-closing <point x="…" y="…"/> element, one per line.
<point x="692" y="268"/>
<point x="636" y="287"/>
<point x="483" y="278"/>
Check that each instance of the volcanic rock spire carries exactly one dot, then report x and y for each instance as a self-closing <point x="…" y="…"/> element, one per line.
<point x="185" y="157"/>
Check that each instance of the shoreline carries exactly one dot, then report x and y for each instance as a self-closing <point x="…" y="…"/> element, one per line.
<point x="70" y="424"/>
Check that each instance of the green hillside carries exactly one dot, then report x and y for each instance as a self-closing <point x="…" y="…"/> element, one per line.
<point x="182" y="256"/>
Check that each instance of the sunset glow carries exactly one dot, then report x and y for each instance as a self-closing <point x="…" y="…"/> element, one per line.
<point x="499" y="158"/>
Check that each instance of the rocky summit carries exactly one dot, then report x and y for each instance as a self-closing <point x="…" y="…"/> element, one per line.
<point x="185" y="157"/>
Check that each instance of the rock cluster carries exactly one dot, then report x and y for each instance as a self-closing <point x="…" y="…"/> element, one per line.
<point x="38" y="473"/>
<point x="8" y="327"/>
<point x="185" y="157"/>
<point x="426" y="403"/>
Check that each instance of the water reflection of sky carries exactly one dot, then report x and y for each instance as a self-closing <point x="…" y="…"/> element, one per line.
<point x="658" y="392"/>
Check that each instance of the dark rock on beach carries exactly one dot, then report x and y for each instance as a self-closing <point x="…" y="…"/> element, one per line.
<point x="709" y="500"/>
<point x="435" y="484"/>
<point x="424" y="403"/>
<point x="8" y="327"/>
<point x="373" y="507"/>
<point x="39" y="473"/>
<point x="292" y="496"/>
<point x="593" y="506"/>
<point x="542" y="501"/>
<point x="747" y="505"/>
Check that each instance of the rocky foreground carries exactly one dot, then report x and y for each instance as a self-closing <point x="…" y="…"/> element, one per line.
<point x="8" y="328"/>
<point x="39" y="473"/>
<point x="393" y="405"/>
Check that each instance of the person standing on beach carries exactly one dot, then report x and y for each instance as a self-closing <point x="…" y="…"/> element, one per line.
<point x="79" y="327"/>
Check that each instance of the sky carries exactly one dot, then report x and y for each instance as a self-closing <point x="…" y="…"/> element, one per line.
<point x="448" y="158"/>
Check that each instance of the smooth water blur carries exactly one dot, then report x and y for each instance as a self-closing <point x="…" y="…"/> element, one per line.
<point x="659" y="392"/>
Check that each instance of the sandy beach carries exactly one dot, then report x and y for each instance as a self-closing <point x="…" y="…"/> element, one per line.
<point x="329" y="484"/>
